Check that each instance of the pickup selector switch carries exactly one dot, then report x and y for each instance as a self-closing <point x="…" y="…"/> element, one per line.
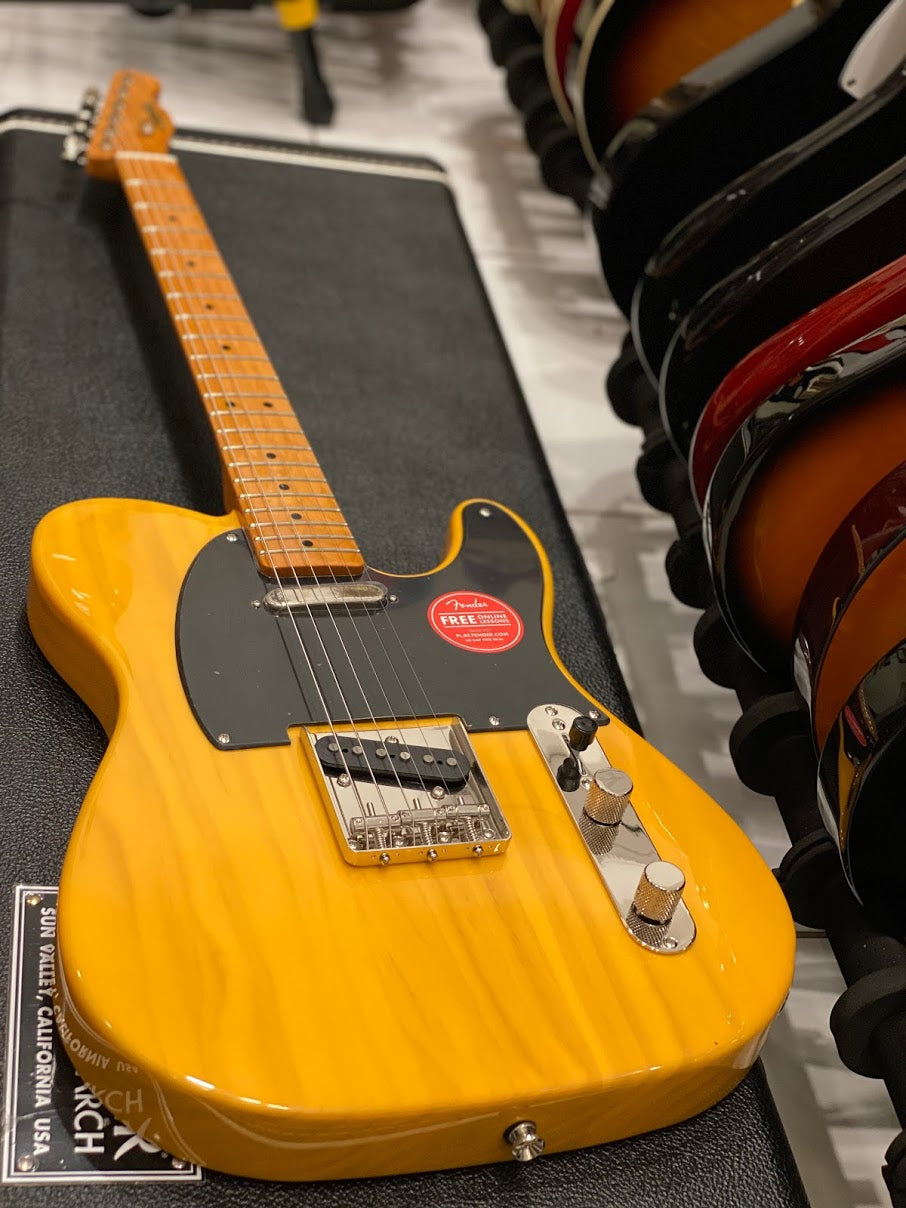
<point x="659" y="891"/>
<point x="608" y="796"/>
<point x="582" y="733"/>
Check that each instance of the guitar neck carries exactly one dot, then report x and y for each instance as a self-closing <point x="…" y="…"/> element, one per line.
<point x="275" y="483"/>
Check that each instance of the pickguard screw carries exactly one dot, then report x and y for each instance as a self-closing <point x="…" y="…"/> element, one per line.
<point x="393" y="599"/>
<point x="256" y="603"/>
<point x="495" y="721"/>
<point x="232" y="537"/>
<point x="594" y="713"/>
<point x="179" y="1164"/>
<point x="223" y="739"/>
<point x="485" y="512"/>
<point x="34" y="899"/>
<point x="344" y="780"/>
<point x="26" y="1162"/>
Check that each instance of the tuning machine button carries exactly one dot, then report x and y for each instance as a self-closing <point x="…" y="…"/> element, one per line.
<point x="608" y="796"/>
<point x="659" y="891"/>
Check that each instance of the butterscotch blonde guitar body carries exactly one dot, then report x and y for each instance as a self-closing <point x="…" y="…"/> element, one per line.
<point x="243" y="996"/>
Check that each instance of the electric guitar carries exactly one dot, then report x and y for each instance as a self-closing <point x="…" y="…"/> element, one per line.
<point x="719" y="121"/>
<point x="366" y="882"/>
<point x="762" y="205"/>
<point x="873" y="302"/>
<point x="850" y="668"/>
<point x="789" y="476"/>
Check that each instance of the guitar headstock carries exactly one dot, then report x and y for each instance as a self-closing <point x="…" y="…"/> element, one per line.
<point x="127" y="119"/>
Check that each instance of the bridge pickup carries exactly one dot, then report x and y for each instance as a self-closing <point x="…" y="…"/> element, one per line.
<point x="326" y="597"/>
<point x="393" y="762"/>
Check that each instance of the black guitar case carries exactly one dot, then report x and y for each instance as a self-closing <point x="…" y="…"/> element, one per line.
<point x="362" y="284"/>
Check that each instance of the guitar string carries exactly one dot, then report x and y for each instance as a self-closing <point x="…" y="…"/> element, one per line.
<point x="354" y="628"/>
<point x="179" y="276"/>
<point x="366" y="577"/>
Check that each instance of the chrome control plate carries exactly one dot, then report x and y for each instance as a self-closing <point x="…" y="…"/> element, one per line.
<point x="620" y="852"/>
<point x="383" y="823"/>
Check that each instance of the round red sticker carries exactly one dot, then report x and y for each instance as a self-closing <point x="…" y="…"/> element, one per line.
<point x="476" y="622"/>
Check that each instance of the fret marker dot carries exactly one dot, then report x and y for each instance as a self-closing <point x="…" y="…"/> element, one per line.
<point x="191" y="263"/>
<point x="226" y="347"/>
<point x="308" y="543"/>
<point x="295" y="515"/>
<point x="271" y="455"/>
<point x="268" y="404"/>
<point x="284" y="486"/>
<point x="209" y="305"/>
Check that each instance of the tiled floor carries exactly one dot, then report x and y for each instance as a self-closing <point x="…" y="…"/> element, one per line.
<point x="421" y="81"/>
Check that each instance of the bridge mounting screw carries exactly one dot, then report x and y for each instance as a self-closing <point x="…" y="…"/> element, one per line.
<point x="478" y="850"/>
<point x="557" y="724"/>
<point x="550" y="710"/>
<point x="494" y="720"/>
<point x="431" y="854"/>
<point x="223" y="739"/>
<point x="385" y="859"/>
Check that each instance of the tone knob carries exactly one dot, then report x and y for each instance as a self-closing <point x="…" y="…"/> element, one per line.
<point x="524" y="1139"/>
<point x="659" y="891"/>
<point x="608" y="796"/>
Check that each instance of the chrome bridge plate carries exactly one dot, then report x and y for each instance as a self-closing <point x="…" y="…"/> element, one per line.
<point x="620" y="852"/>
<point x="380" y="822"/>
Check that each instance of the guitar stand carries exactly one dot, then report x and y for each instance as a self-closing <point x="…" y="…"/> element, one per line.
<point x="774" y="755"/>
<point x="515" y="45"/>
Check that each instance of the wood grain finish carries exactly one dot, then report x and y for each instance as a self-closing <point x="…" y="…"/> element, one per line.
<point x="274" y="479"/>
<point x="235" y="989"/>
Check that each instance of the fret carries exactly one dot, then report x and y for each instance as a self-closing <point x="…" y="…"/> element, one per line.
<point x="283" y="523"/>
<point x="216" y="356"/>
<point x="294" y="433"/>
<point x="251" y="377"/>
<point x="274" y="394"/>
<point x="160" y="156"/>
<point x="309" y="549"/>
<point x="182" y="251"/>
<point x="291" y="507"/>
<point x="161" y="205"/>
<point x="175" y="293"/>
<point x="172" y="272"/>
<point x="132" y="181"/>
<point x="149" y="229"/>
<point x="181" y="318"/>
<point x="220" y="335"/>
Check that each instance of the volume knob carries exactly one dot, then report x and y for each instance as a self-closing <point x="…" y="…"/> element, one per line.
<point x="659" y="891"/>
<point x="608" y="796"/>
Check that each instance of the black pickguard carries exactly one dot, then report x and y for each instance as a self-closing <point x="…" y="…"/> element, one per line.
<point x="249" y="674"/>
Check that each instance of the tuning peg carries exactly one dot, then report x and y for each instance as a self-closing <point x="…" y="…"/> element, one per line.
<point x="74" y="145"/>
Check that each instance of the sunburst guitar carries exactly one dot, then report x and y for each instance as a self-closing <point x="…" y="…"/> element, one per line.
<point x="366" y="882"/>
